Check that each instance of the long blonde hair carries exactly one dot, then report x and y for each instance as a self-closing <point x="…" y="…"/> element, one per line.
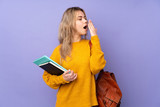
<point x="67" y="30"/>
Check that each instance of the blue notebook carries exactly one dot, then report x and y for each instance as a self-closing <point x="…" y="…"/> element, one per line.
<point x="49" y="65"/>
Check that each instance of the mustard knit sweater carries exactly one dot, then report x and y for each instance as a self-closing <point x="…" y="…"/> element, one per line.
<point x="86" y="63"/>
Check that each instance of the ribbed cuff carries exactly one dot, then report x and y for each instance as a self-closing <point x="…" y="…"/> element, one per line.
<point x="62" y="79"/>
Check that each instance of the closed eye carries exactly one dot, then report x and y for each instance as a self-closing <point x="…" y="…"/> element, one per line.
<point x="80" y="17"/>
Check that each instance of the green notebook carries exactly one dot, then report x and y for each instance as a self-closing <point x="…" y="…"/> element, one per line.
<point x="49" y="65"/>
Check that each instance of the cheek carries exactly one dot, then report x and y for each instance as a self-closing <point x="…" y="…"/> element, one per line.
<point x="78" y="24"/>
<point x="78" y="27"/>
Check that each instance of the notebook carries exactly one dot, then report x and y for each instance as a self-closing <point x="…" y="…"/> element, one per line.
<point x="49" y="65"/>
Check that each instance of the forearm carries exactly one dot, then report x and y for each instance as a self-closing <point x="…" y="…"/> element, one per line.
<point x="53" y="81"/>
<point x="97" y="61"/>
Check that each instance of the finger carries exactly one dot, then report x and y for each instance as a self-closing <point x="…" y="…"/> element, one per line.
<point x="90" y="25"/>
<point x="75" y="76"/>
<point x="65" y="76"/>
<point x="67" y="72"/>
<point x="71" y="74"/>
<point x="90" y="28"/>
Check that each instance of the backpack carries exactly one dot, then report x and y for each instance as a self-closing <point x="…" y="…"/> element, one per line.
<point x="107" y="90"/>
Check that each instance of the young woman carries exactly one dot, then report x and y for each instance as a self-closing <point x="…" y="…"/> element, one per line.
<point x="77" y="85"/>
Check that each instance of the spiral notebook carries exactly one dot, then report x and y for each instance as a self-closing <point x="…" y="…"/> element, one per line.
<point x="49" y="65"/>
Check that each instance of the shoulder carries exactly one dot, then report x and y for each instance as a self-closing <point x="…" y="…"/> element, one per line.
<point x="56" y="54"/>
<point x="58" y="47"/>
<point x="56" y="50"/>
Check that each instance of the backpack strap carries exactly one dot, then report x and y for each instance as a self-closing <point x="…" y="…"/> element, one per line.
<point x="90" y="43"/>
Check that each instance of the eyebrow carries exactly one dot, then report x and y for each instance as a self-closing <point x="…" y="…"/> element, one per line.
<point x="81" y="16"/>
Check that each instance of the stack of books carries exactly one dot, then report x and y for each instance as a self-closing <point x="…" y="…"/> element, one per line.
<point x="49" y="65"/>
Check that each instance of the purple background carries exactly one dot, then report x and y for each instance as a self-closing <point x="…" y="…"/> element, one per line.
<point x="129" y="31"/>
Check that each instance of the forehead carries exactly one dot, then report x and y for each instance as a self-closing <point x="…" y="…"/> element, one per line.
<point x="79" y="13"/>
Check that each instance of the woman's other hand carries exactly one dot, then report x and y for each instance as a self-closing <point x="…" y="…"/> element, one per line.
<point x="69" y="75"/>
<point x="92" y="29"/>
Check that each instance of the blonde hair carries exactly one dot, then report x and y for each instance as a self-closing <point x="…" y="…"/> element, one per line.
<point x="67" y="30"/>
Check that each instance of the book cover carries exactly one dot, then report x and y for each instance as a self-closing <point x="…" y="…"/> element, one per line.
<point x="49" y="65"/>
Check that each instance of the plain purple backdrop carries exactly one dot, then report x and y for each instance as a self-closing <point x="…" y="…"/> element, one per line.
<point x="129" y="32"/>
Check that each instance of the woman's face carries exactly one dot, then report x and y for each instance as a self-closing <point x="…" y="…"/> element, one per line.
<point x="81" y="23"/>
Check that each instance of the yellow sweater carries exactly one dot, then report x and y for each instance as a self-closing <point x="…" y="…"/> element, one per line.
<point x="86" y="63"/>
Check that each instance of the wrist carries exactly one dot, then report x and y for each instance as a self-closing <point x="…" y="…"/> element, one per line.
<point x="64" y="79"/>
<point x="94" y="35"/>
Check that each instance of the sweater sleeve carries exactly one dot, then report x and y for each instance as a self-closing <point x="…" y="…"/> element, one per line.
<point x="54" y="81"/>
<point x="97" y="61"/>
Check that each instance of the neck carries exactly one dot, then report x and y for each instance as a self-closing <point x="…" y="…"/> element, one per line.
<point x="76" y="38"/>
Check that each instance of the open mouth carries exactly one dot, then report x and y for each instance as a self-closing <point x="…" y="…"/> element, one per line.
<point x="85" y="27"/>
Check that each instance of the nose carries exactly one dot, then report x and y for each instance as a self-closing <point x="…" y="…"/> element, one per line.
<point x="85" y="20"/>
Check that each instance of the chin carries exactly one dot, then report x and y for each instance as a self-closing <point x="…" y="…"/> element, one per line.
<point x="85" y="33"/>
